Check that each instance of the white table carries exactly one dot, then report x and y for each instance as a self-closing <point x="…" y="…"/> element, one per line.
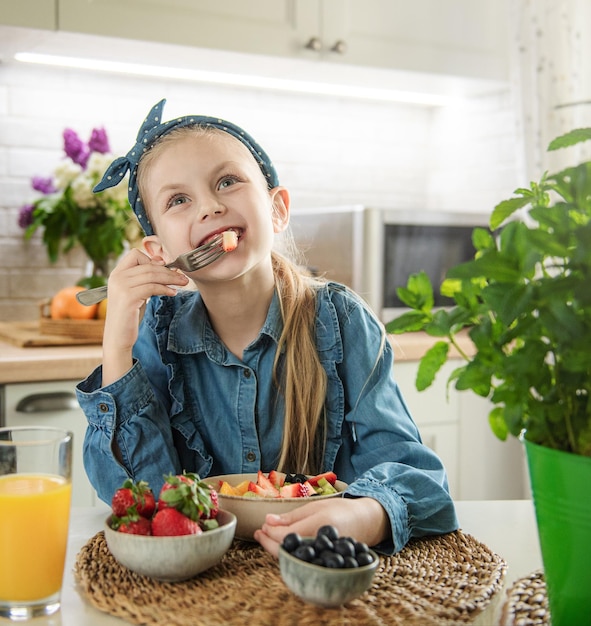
<point x="507" y="527"/>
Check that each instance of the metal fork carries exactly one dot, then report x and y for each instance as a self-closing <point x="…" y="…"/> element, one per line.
<point x="191" y="261"/>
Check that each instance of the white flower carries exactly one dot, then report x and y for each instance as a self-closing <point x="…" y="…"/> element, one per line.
<point x="82" y="191"/>
<point x="65" y="173"/>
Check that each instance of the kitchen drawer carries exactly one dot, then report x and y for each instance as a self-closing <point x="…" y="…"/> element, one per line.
<point x="51" y="404"/>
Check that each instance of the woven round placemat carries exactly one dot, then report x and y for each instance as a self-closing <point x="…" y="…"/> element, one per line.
<point x="442" y="580"/>
<point x="527" y="602"/>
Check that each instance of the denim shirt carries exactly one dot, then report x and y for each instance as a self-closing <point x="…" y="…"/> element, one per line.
<point x="189" y="404"/>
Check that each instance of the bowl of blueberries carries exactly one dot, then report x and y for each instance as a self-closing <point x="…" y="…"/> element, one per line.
<point x="326" y="570"/>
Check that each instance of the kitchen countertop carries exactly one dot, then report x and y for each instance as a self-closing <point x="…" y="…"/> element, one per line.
<point x="18" y="365"/>
<point x="507" y="527"/>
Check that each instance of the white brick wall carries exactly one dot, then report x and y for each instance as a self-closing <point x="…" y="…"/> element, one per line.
<point x="327" y="151"/>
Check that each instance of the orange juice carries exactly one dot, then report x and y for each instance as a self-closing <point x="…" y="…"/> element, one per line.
<point x="34" y="516"/>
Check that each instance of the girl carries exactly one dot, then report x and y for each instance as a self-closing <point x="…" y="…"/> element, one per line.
<point x="262" y="367"/>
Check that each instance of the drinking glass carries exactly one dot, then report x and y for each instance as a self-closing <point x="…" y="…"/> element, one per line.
<point x="35" y="494"/>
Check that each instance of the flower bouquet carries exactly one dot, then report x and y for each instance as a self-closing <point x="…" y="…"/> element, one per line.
<point x="71" y="214"/>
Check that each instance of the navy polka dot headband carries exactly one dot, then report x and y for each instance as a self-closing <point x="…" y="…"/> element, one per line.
<point x="151" y="130"/>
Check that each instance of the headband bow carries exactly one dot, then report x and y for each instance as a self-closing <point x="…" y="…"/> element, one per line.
<point x="151" y="130"/>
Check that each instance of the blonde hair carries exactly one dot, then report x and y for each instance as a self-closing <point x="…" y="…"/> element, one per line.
<point x="299" y="376"/>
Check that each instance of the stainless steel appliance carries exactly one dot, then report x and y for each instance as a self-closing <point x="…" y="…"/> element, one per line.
<point x="375" y="250"/>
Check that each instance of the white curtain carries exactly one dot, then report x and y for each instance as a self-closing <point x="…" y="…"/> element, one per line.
<point x="551" y="75"/>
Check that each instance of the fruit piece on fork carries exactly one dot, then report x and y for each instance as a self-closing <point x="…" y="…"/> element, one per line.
<point x="229" y="240"/>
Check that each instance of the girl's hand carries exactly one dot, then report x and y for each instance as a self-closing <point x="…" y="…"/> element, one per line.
<point x="364" y="519"/>
<point x="136" y="278"/>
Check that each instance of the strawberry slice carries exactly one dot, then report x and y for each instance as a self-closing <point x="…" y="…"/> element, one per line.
<point x="261" y="491"/>
<point x="276" y="478"/>
<point x="297" y="490"/>
<point x="331" y="477"/>
<point x="264" y="483"/>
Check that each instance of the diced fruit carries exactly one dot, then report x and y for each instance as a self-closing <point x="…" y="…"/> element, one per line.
<point x="262" y="492"/>
<point x="264" y="483"/>
<point x="242" y="487"/>
<point x="277" y="478"/>
<point x="297" y="490"/>
<point x="170" y="522"/>
<point x="229" y="240"/>
<point x="226" y="489"/>
<point x="330" y="477"/>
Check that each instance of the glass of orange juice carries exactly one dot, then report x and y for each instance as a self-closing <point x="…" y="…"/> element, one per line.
<point x="35" y="492"/>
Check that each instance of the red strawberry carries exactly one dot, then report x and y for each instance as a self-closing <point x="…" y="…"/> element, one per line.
<point x="266" y="485"/>
<point x="132" y="524"/>
<point x="130" y="495"/>
<point x="277" y="478"/>
<point x="189" y="495"/>
<point x="297" y="490"/>
<point x="170" y="522"/>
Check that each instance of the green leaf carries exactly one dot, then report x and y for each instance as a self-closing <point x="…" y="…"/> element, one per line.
<point x="410" y="321"/>
<point x="418" y="293"/>
<point x="505" y="209"/>
<point x="570" y="139"/>
<point x="496" y="420"/>
<point x="430" y="364"/>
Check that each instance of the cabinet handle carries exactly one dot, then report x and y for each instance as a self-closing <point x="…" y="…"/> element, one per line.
<point x="46" y="402"/>
<point x="340" y="47"/>
<point x="314" y="44"/>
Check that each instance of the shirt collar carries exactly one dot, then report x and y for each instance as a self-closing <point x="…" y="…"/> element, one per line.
<point x="190" y="330"/>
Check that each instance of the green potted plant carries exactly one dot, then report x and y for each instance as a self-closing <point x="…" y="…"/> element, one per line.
<point x="524" y="300"/>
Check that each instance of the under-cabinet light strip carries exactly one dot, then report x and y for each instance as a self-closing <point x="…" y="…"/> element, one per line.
<point x="241" y="80"/>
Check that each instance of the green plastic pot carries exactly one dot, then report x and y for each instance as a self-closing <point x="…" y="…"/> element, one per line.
<point x="561" y="489"/>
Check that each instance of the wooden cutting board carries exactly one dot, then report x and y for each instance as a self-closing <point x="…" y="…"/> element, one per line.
<point x="28" y="334"/>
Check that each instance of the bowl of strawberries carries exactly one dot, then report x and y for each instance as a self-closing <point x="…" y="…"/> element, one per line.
<point x="250" y="497"/>
<point x="172" y="537"/>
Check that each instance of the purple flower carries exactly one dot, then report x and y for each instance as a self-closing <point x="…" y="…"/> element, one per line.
<point x="25" y="216"/>
<point x="75" y="148"/>
<point x="99" y="142"/>
<point x="44" y="185"/>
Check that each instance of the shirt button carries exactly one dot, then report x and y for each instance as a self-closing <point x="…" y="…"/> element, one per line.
<point x="246" y="373"/>
<point x="103" y="407"/>
<point x="251" y="457"/>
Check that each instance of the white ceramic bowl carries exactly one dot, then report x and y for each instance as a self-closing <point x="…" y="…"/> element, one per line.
<point x="325" y="586"/>
<point x="251" y="512"/>
<point x="172" y="559"/>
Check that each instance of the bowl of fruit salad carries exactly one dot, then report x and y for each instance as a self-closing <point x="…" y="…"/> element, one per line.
<point x="173" y="537"/>
<point x="326" y="570"/>
<point x="250" y="497"/>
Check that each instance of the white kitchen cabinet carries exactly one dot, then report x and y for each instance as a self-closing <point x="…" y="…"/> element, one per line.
<point x="455" y="425"/>
<point x="458" y="37"/>
<point x="29" y="13"/>
<point x="52" y="404"/>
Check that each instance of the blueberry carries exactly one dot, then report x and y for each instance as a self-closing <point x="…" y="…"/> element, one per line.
<point x="351" y="561"/>
<point x="321" y="543"/>
<point x="305" y="553"/>
<point x="329" y="531"/>
<point x="364" y="558"/>
<point x="291" y="542"/>
<point x="360" y="547"/>
<point x="334" y="560"/>
<point x="345" y="547"/>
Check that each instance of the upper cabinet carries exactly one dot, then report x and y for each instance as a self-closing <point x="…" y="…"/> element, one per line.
<point x="460" y="37"/>
<point x="455" y="37"/>
<point x="29" y="13"/>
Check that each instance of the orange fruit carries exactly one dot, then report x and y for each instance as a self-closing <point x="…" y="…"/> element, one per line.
<point x="101" y="312"/>
<point x="65" y="306"/>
